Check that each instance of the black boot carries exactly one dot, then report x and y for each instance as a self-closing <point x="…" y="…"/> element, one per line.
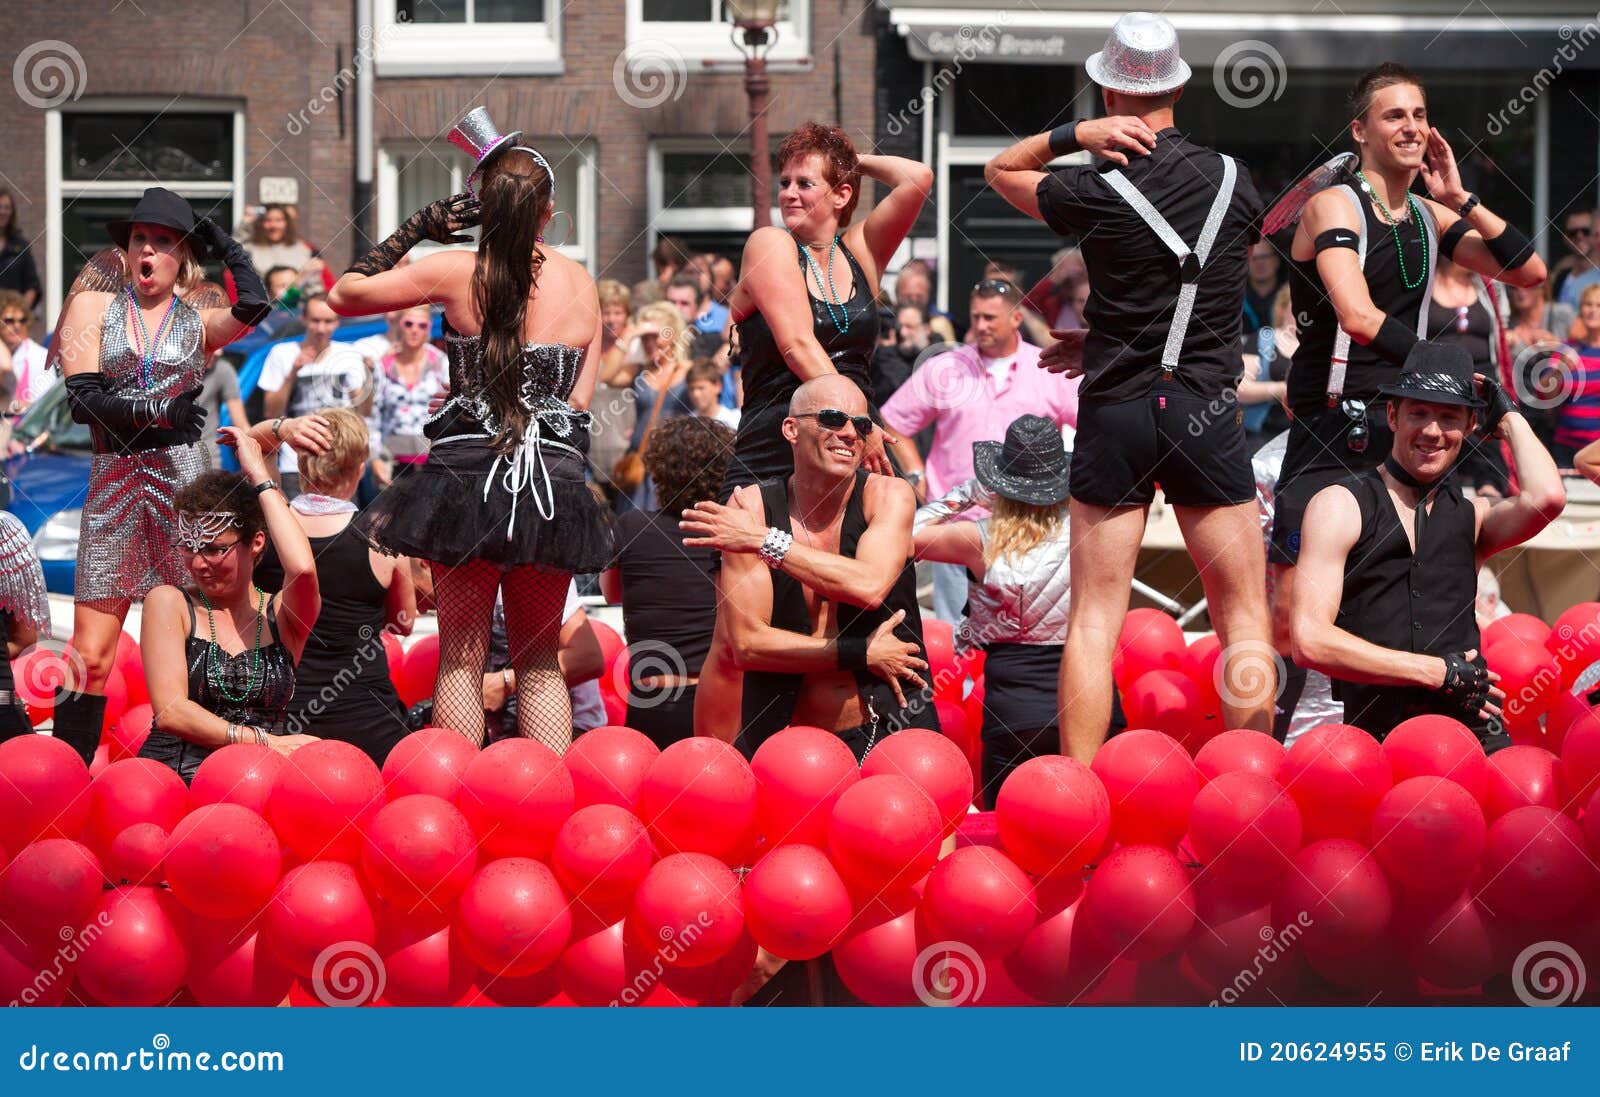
<point x="14" y="722"/>
<point x="77" y="722"/>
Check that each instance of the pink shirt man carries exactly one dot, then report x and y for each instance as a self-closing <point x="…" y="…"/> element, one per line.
<point x="969" y="398"/>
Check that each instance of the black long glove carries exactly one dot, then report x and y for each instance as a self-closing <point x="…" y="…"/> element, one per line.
<point x="252" y="307"/>
<point x="438" y="221"/>
<point x="93" y="403"/>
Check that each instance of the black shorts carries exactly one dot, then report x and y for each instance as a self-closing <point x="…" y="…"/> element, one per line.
<point x="1318" y="454"/>
<point x="1193" y="447"/>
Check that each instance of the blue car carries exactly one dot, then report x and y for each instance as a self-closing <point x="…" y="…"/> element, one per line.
<point x="50" y="479"/>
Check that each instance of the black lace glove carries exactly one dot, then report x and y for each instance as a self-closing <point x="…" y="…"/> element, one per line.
<point x="1466" y="684"/>
<point x="251" y="306"/>
<point x="1501" y="404"/>
<point x="93" y="403"/>
<point x="439" y="221"/>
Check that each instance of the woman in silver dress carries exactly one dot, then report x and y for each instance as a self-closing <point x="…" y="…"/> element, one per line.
<point x="501" y="501"/>
<point x="134" y="361"/>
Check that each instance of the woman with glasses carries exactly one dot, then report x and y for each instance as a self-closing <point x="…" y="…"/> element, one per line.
<point x="27" y="358"/>
<point x="1461" y="310"/>
<point x="220" y="653"/>
<point x="409" y="377"/>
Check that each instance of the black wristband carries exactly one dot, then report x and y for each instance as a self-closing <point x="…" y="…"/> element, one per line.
<point x="1469" y="205"/>
<point x="1510" y="249"/>
<point x="1394" y="340"/>
<point x="1064" y="139"/>
<point x="852" y="652"/>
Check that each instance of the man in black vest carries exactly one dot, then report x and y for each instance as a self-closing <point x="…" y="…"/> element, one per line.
<point x="817" y="595"/>
<point x="1165" y="226"/>
<point x="1389" y="563"/>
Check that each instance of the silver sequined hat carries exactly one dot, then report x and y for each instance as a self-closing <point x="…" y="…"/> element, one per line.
<point x="477" y="136"/>
<point x="1140" y="57"/>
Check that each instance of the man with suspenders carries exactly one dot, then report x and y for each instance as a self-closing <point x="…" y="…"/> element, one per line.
<point x="1166" y="238"/>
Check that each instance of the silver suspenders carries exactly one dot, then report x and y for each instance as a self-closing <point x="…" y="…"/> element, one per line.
<point x="1190" y="262"/>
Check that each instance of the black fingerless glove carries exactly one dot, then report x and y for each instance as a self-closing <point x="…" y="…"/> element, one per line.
<point x="1466" y="684"/>
<point x="1500" y="404"/>
<point x="252" y="305"/>
<point x="437" y="221"/>
<point x="93" y="403"/>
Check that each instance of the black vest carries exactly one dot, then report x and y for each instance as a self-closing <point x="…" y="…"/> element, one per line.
<point x="1420" y="602"/>
<point x="769" y="697"/>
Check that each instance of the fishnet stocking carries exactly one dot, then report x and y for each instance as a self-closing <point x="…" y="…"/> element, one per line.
<point x="465" y="596"/>
<point x="533" y="603"/>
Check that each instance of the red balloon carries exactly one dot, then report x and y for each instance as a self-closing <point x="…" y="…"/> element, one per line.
<point x="877" y="954"/>
<point x="595" y="971"/>
<point x="137" y="855"/>
<point x="44" y="790"/>
<point x="317" y="906"/>
<point x="516" y="794"/>
<point x="615" y="704"/>
<point x="1240" y="751"/>
<point x="710" y="984"/>
<point x="611" y="645"/>
<point x="130" y="661"/>
<point x="1151" y="782"/>
<point x="1379" y="971"/>
<point x="116" y="694"/>
<point x="1580" y="763"/>
<point x="424" y="962"/>
<point x="49" y="891"/>
<point x="884" y="832"/>
<point x="325" y="799"/>
<point x="30" y="977"/>
<point x="513" y="918"/>
<point x="138" y="958"/>
<point x="1521" y="777"/>
<point x="429" y="760"/>
<point x="1339" y="894"/>
<point x="101" y="761"/>
<point x="223" y="861"/>
<point x="931" y="762"/>
<point x="37" y="673"/>
<point x="688" y="910"/>
<point x="1523" y="627"/>
<point x="1528" y="675"/>
<point x="978" y="897"/>
<point x="1245" y="828"/>
<point x="958" y="724"/>
<point x="608" y="765"/>
<point x="1059" y="961"/>
<point x="1591" y="823"/>
<point x="1569" y="709"/>
<point x="699" y="796"/>
<point x="128" y="734"/>
<point x="795" y="903"/>
<point x="229" y="966"/>
<point x="1574" y="640"/>
<point x="1437" y="746"/>
<point x="800" y="773"/>
<point x="418" y="671"/>
<point x="1241" y="954"/>
<point x="1140" y="901"/>
<point x="1167" y="701"/>
<point x="139" y="790"/>
<point x="419" y="854"/>
<point x="1428" y="834"/>
<point x="1052" y="815"/>
<point x="1454" y="944"/>
<point x="939" y="649"/>
<point x="1337" y="774"/>
<point x="1199" y="661"/>
<point x="243" y="774"/>
<point x="1535" y="867"/>
<point x="601" y="854"/>
<point x="1150" y="640"/>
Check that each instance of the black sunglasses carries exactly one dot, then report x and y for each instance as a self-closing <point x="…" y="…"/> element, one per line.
<point x="997" y="285"/>
<point x="1580" y="230"/>
<point x="834" y="419"/>
<point x="1356" y="412"/>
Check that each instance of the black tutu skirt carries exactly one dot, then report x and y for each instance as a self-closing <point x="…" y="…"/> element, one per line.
<point x="440" y="513"/>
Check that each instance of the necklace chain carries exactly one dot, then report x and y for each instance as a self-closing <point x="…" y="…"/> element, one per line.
<point x="841" y="319"/>
<point x="1394" y="227"/>
<point x="147" y="346"/>
<point x="213" y="674"/>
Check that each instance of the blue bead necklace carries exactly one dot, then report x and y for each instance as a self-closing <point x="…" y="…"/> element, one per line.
<point x="147" y="347"/>
<point x="841" y="319"/>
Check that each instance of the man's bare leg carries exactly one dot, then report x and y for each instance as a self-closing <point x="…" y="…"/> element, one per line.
<point x="1105" y="550"/>
<point x="1225" y="543"/>
<point x="1282" y="595"/>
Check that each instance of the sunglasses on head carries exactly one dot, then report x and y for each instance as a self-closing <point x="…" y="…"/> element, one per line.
<point x="834" y="419"/>
<point x="996" y="285"/>
<point x="1580" y="230"/>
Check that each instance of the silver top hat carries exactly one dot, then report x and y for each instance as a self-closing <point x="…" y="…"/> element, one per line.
<point x="1140" y="57"/>
<point x="479" y="138"/>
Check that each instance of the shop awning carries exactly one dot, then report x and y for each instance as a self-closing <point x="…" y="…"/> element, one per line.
<point x="1054" y="32"/>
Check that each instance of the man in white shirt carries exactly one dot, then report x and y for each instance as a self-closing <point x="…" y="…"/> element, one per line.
<point x="313" y="375"/>
<point x="27" y="357"/>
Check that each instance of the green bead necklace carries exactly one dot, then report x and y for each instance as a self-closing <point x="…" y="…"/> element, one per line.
<point x="1394" y="226"/>
<point x="215" y="675"/>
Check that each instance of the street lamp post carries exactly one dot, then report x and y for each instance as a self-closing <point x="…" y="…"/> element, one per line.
<point x="754" y="32"/>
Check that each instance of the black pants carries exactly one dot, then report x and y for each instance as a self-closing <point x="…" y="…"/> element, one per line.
<point x="1005" y="750"/>
<point x="666" y="716"/>
<point x="14" y="721"/>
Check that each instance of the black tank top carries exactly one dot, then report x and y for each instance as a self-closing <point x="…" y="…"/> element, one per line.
<point x="264" y="706"/>
<point x="1420" y="602"/>
<point x="768" y="380"/>
<point x="769" y="698"/>
<point x="1445" y="326"/>
<point x="1318" y="324"/>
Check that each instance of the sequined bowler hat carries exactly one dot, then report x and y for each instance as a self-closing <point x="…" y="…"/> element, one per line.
<point x="477" y="136"/>
<point x="1030" y="466"/>
<point x="1436" y="373"/>
<point x="1140" y="57"/>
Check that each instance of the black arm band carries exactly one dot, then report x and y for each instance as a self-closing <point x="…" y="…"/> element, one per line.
<point x="1336" y="238"/>
<point x="1452" y="236"/>
<point x="1394" y="340"/>
<point x="1510" y="249"/>
<point x="852" y="652"/>
<point x="93" y="403"/>
<point x="1064" y="139"/>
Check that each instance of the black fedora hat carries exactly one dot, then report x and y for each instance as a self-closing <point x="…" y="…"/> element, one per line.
<point x="1030" y="466"/>
<point x="1438" y="373"/>
<point x="159" y="206"/>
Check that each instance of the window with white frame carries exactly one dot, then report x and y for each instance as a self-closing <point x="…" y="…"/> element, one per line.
<point x="467" y="37"/>
<point x="410" y="175"/>
<point x="700" y="194"/>
<point x="701" y="31"/>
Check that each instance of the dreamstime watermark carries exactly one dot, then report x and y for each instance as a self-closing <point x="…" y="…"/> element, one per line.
<point x="1548" y="973"/>
<point x="1569" y="644"/>
<point x="73" y="944"/>
<point x="649" y="73"/>
<point x="49" y="73"/>
<point x="349" y="973"/>
<point x="948" y="973"/>
<point x="1574" y="42"/>
<point x="157" y="1057"/>
<point x="38" y="678"/>
<point x="1275" y="945"/>
<point x="330" y="92"/>
<point x="647" y="659"/>
<point x="965" y="45"/>
<point x="1545" y="375"/>
<point x="673" y="945"/>
<point x="1249" y="73"/>
<point x="1243" y="671"/>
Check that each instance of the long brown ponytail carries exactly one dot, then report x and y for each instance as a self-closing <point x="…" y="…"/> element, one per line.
<point x="515" y="195"/>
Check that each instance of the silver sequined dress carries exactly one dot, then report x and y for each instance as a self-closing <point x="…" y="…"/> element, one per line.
<point x="126" y="543"/>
